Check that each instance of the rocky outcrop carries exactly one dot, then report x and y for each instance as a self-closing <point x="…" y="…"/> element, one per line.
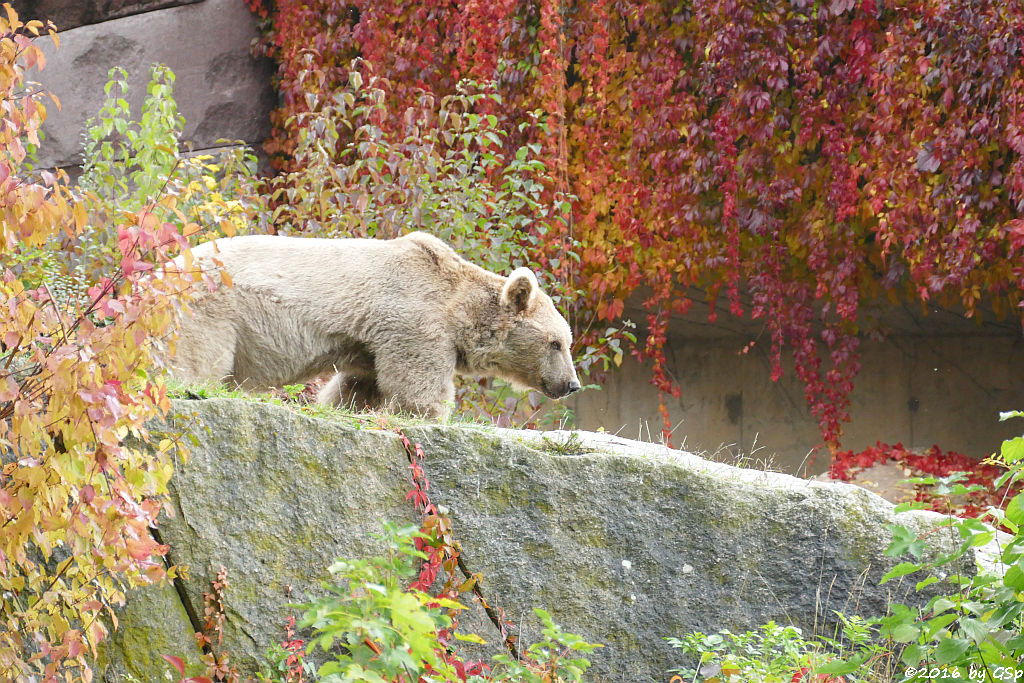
<point x="624" y="543"/>
<point x="221" y="89"/>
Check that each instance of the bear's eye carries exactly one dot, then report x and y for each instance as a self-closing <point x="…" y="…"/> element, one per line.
<point x="556" y="345"/>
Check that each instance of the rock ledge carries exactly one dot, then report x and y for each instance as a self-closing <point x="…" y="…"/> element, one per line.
<point x="625" y="543"/>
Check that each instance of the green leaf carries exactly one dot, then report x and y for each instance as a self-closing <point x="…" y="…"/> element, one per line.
<point x="1013" y="449"/>
<point x="910" y="505"/>
<point x="905" y="633"/>
<point x="839" y="666"/>
<point x="408" y="616"/>
<point x="975" y="629"/>
<point x="1014" y="577"/>
<point x="981" y="538"/>
<point x="950" y="649"/>
<point x="904" y="540"/>
<point x="936" y="624"/>
<point x="902" y="569"/>
<point x="913" y="654"/>
<point x="1015" y="509"/>
<point x="1013" y="550"/>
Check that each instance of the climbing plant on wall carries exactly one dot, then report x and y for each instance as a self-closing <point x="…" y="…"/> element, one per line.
<point x="791" y="161"/>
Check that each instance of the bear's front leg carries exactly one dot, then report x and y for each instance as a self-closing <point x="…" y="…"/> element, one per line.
<point x="421" y="382"/>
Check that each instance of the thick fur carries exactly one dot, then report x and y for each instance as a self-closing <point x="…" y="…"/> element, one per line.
<point x="395" y="320"/>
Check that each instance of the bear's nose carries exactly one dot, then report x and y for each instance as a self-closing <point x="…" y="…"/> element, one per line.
<point x="572" y="387"/>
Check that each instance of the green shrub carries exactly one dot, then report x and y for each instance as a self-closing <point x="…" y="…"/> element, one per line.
<point x="973" y="633"/>
<point x="372" y="628"/>
<point x="129" y="162"/>
<point x="137" y="166"/>
<point x="776" y="654"/>
<point x="445" y="172"/>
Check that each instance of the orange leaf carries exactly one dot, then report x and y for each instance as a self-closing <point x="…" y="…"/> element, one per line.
<point x="148" y="220"/>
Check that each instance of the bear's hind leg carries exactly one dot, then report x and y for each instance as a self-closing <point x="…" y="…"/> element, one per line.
<point x="205" y="351"/>
<point x="351" y="390"/>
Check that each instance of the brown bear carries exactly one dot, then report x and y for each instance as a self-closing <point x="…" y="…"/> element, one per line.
<point x="395" y="320"/>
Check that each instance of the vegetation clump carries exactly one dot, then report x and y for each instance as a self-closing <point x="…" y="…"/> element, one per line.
<point x="973" y="631"/>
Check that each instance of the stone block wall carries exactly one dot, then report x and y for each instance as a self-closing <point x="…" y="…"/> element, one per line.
<point x="221" y="89"/>
<point x="68" y="14"/>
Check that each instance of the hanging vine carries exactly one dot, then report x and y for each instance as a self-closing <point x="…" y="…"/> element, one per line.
<point x="794" y="160"/>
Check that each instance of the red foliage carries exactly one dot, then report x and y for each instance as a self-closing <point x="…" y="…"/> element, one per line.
<point x="932" y="463"/>
<point x="797" y="158"/>
<point x="805" y="675"/>
<point x="296" y="648"/>
<point x="179" y="664"/>
<point x="217" y="661"/>
<point x="443" y="553"/>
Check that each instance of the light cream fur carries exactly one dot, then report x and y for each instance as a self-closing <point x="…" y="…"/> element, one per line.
<point x="395" y="320"/>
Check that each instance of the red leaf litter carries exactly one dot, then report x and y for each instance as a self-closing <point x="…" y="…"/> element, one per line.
<point x="936" y="463"/>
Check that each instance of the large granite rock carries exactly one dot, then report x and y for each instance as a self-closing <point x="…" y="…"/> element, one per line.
<point x="68" y="14"/>
<point x="624" y="543"/>
<point x="221" y="89"/>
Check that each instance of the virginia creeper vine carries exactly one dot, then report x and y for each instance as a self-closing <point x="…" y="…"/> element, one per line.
<point x="803" y="162"/>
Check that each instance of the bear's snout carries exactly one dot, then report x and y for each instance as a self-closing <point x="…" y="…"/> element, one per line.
<point x="562" y="390"/>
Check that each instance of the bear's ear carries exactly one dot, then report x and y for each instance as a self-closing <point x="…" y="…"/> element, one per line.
<point x="519" y="289"/>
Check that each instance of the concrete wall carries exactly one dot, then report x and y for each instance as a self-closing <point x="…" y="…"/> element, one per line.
<point x="935" y="379"/>
<point x="221" y="89"/>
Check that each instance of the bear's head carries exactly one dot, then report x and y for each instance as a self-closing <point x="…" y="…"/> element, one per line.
<point x="538" y="349"/>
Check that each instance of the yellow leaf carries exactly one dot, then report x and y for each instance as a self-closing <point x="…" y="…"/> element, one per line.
<point x="225" y="278"/>
<point x="80" y="216"/>
<point x="444" y="602"/>
<point x="228" y="227"/>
